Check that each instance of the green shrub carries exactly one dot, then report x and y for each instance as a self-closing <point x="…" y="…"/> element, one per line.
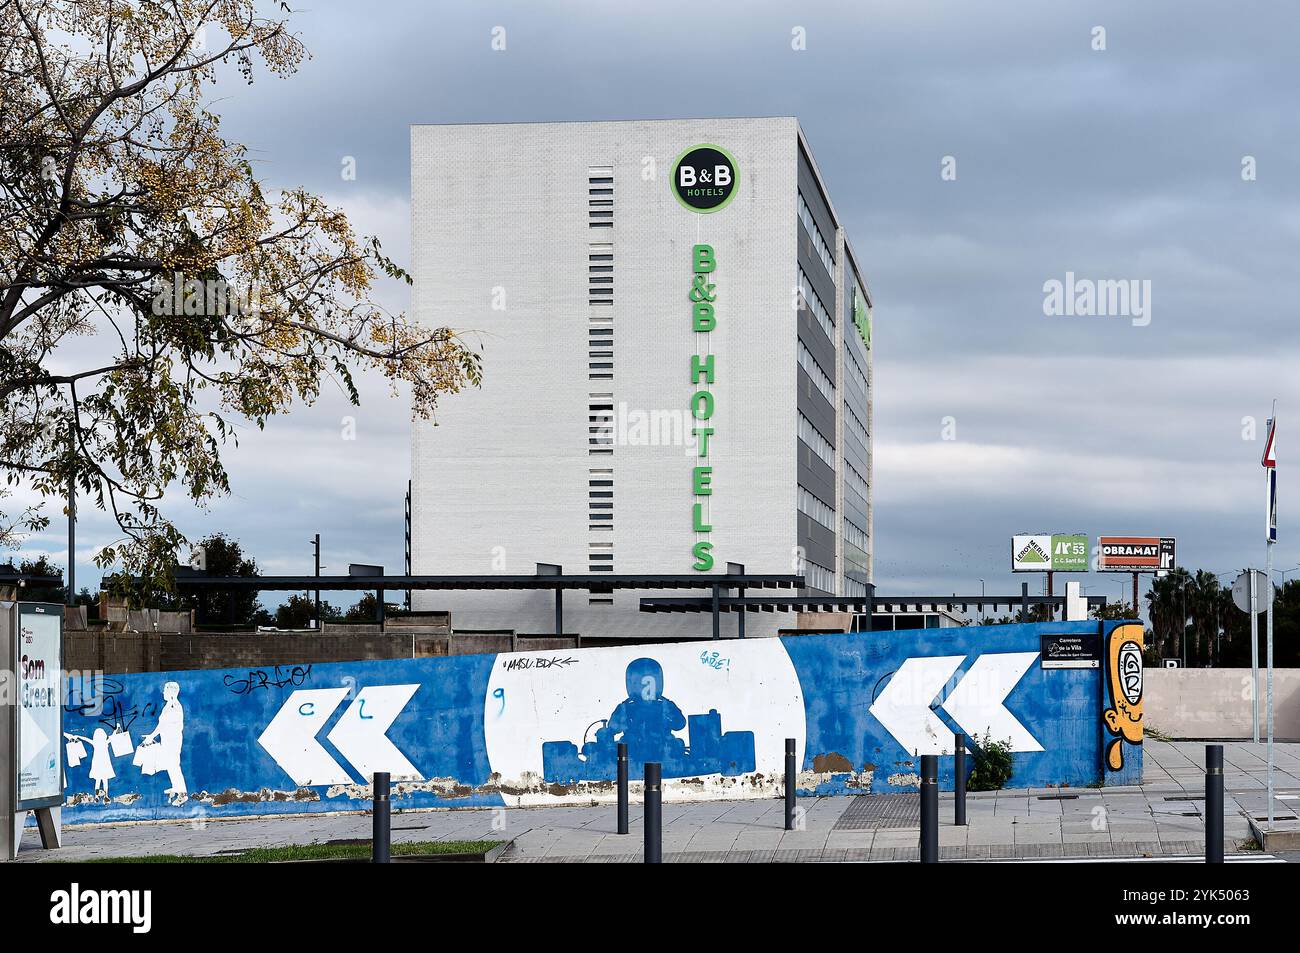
<point x="992" y="764"/>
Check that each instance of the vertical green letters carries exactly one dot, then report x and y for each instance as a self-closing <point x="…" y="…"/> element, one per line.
<point x="704" y="318"/>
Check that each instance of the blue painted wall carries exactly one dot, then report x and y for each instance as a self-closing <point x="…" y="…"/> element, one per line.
<point x="474" y="727"/>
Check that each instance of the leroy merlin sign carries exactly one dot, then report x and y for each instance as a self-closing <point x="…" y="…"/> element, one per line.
<point x="1049" y="553"/>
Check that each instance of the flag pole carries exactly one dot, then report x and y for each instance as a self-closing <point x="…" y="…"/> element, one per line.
<point x="1270" y="538"/>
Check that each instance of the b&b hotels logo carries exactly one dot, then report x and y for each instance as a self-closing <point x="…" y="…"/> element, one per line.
<point x="704" y="178"/>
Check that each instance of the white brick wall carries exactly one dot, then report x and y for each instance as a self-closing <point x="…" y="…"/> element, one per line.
<point x="501" y="482"/>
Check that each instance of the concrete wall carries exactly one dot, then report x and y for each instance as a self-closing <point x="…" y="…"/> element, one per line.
<point x="1216" y="702"/>
<point x="536" y="728"/>
<point x="97" y="650"/>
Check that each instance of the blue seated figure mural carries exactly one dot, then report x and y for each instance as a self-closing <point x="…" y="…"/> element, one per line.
<point x="645" y="722"/>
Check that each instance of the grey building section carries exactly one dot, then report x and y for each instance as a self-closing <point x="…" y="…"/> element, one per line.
<point x="842" y="417"/>
<point x="570" y="255"/>
<point x="855" y="437"/>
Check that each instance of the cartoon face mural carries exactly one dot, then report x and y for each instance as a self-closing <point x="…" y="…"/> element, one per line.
<point x="1124" y="683"/>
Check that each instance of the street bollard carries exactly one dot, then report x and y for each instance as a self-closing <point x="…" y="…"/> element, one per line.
<point x="789" y="784"/>
<point x="929" y="809"/>
<point x="959" y="781"/>
<point x="1214" y="804"/>
<point x="622" y="788"/>
<point x="381" y="831"/>
<point x="654" y="814"/>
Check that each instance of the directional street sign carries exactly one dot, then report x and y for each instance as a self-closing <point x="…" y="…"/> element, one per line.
<point x="1241" y="591"/>
<point x="360" y="735"/>
<point x="906" y="707"/>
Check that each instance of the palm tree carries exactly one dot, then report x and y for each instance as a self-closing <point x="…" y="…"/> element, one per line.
<point x="1166" y="607"/>
<point x="1203" y="604"/>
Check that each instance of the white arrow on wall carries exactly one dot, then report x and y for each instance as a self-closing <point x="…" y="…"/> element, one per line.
<point x="361" y="735"/>
<point x="290" y="738"/>
<point x="977" y="704"/>
<point x="904" y="706"/>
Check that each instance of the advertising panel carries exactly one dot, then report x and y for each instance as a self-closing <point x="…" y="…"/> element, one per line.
<point x="1136" y="554"/>
<point x="1057" y="552"/>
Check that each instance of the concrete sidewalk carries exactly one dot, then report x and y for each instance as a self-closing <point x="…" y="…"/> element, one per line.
<point x="1161" y="818"/>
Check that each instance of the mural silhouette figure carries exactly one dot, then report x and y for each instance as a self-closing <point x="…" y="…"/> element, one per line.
<point x="646" y="721"/>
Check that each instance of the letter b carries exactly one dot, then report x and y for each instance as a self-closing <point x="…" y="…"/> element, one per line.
<point x="704" y="262"/>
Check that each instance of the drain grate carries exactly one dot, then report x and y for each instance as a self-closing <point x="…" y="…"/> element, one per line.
<point x="867" y="812"/>
<point x="1058" y="797"/>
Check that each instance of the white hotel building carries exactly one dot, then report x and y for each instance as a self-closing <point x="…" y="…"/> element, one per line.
<point x="598" y="440"/>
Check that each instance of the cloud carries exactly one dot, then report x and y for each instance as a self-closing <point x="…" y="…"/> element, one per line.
<point x="1117" y="164"/>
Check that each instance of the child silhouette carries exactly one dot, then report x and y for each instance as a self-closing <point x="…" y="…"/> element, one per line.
<point x="646" y="720"/>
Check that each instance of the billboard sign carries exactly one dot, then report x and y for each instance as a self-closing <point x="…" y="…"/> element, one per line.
<point x="1049" y="553"/>
<point x="39" y="654"/>
<point x="1136" y="554"/>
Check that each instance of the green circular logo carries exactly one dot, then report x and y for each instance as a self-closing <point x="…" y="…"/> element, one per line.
<point x="704" y="178"/>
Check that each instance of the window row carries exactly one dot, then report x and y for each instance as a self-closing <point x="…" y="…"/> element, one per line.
<point x="855" y="535"/>
<point x="808" y="298"/>
<point x="816" y="510"/>
<point x="854" y="369"/>
<point x="855" y="426"/>
<point x="855" y="481"/>
<point x="815" y="372"/>
<point x="819" y="242"/>
<point x="818" y="577"/>
<point x="600" y="197"/>
<point x="819" y="445"/>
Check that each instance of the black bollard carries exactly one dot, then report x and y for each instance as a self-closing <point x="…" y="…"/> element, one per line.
<point x="654" y="814"/>
<point x="622" y="788"/>
<point x="789" y="784"/>
<point x="1214" y="804"/>
<point x="929" y="809"/>
<point x="381" y="831"/>
<point x="959" y="781"/>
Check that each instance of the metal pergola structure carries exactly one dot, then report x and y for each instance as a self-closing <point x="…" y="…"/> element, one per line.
<point x="22" y="579"/>
<point x="551" y="577"/>
<point x="548" y="577"/>
<point x="863" y="605"/>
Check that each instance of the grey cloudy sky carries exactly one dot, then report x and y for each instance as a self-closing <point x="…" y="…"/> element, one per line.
<point x="1117" y="164"/>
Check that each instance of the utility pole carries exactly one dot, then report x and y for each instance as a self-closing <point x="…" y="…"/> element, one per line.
<point x="316" y="546"/>
<point x="71" y="591"/>
<point x="408" y="541"/>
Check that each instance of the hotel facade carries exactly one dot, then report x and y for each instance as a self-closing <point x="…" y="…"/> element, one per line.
<point x="677" y="366"/>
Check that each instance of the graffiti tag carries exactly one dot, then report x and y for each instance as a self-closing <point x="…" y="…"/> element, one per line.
<point x="555" y="661"/>
<point x="712" y="660"/>
<point x="279" y="677"/>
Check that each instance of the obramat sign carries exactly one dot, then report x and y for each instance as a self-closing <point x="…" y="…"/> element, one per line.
<point x="1136" y="554"/>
